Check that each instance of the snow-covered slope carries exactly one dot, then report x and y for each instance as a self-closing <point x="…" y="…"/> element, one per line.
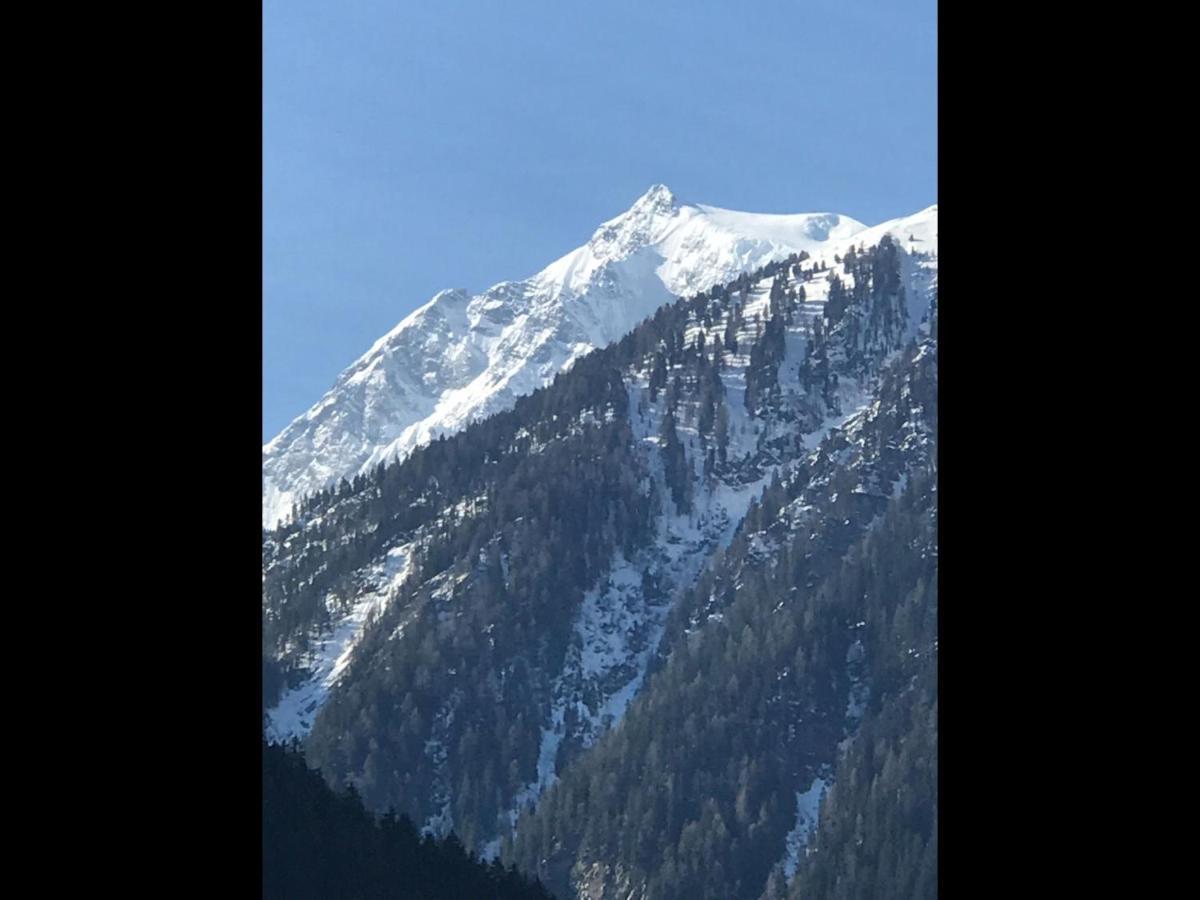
<point x="460" y="358"/>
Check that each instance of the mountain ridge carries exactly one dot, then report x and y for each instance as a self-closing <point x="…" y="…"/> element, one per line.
<point x="460" y="357"/>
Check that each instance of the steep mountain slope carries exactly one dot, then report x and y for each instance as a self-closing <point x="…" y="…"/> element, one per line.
<point x="457" y="633"/>
<point x="808" y="631"/>
<point x="460" y="358"/>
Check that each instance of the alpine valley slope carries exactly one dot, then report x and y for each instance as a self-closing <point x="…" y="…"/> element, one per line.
<point x="460" y="358"/>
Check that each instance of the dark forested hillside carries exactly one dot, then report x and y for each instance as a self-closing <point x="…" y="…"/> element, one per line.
<point x="878" y="830"/>
<point x="323" y="845"/>
<point x="630" y="633"/>
<point x="814" y="640"/>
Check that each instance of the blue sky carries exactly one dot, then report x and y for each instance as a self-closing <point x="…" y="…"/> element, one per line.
<point x="410" y="147"/>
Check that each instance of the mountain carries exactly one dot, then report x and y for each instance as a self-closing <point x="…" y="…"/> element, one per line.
<point x="460" y="357"/>
<point x="666" y="625"/>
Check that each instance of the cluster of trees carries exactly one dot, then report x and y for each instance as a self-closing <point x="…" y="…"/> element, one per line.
<point x="679" y="472"/>
<point x="878" y="832"/>
<point x="273" y="682"/>
<point x="872" y="315"/>
<point x="321" y="844"/>
<point x="694" y="794"/>
<point x="862" y="324"/>
<point x="483" y="630"/>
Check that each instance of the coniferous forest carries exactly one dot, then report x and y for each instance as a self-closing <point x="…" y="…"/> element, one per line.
<point x="320" y="844"/>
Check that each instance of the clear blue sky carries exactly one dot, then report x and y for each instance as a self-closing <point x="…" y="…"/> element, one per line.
<point x="414" y="146"/>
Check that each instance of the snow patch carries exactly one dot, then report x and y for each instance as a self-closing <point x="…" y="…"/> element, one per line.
<point x="808" y="808"/>
<point x="293" y="715"/>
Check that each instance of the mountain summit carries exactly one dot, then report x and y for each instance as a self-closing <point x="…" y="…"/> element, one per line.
<point x="462" y="357"/>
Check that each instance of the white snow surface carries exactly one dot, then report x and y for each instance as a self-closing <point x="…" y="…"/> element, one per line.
<point x="293" y="715"/>
<point x="808" y="807"/>
<point x="460" y="357"/>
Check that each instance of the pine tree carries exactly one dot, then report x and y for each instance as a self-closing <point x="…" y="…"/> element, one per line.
<point x="675" y="464"/>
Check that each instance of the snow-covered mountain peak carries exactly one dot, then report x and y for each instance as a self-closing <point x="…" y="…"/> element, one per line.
<point x="690" y="247"/>
<point x="657" y="198"/>
<point x="461" y="357"/>
<point x="652" y="217"/>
